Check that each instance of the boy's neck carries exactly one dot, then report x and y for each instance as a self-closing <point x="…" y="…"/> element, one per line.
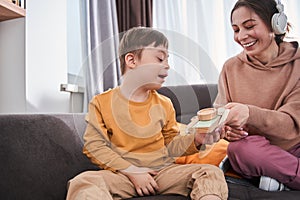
<point x="134" y="94"/>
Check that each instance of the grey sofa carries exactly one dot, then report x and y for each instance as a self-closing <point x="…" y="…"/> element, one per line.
<point x="39" y="153"/>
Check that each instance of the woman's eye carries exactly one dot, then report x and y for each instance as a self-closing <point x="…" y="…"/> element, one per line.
<point x="250" y="27"/>
<point x="160" y="59"/>
<point x="235" y="29"/>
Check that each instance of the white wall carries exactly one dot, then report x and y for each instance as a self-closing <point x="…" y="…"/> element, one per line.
<point x="12" y="66"/>
<point x="46" y="56"/>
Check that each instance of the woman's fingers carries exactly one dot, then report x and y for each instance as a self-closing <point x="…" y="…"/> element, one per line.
<point x="233" y="134"/>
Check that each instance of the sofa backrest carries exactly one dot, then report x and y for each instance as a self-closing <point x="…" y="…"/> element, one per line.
<point x="188" y="99"/>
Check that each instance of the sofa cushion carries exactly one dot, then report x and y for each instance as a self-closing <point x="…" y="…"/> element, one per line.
<point x="38" y="155"/>
<point x="213" y="154"/>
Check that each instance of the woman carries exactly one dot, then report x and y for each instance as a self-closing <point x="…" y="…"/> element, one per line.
<point x="261" y="87"/>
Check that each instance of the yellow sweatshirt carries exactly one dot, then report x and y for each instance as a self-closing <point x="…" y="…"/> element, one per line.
<point x="121" y="133"/>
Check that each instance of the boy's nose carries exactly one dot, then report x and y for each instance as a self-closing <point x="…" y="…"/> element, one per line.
<point x="167" y="66"/>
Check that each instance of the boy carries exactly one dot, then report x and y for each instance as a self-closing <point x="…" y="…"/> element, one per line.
<point x="133" y="135"/>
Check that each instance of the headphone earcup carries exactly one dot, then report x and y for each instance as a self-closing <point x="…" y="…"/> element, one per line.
<point x="279" y="23"/>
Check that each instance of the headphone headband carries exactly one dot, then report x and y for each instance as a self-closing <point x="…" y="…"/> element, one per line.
<point x="279" y="20"/>
<point x="279" y="6"/>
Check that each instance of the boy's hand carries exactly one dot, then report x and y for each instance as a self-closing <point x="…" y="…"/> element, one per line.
<point x="207" y="138"/>
<point x="142" y="180"/>
<point x="144" y="183"/>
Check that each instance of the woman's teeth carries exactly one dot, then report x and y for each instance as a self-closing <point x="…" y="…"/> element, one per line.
<point x="249" y="44"/>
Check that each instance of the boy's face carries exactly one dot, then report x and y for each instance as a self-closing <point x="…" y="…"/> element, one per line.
<point x="152" y="68"/>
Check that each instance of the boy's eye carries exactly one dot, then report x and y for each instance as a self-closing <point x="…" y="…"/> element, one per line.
<point x="160" y="59"/>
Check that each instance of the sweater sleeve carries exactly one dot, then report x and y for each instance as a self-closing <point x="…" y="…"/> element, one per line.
<point x="97" y="145"/>
<point x="279" y="124"/>
<point x="223" y="96"/>
<point x="177" y="144"/>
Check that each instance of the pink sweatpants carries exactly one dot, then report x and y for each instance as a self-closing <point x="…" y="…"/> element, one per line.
<point x="198" y="180"/>
<point x="254" y="156"/>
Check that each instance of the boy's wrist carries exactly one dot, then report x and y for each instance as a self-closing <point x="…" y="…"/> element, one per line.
<point x="135" y="169"/>
<point x="199" y="146"/>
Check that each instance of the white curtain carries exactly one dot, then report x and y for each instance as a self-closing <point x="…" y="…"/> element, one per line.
<point x="201" y="37"/>
<point x="291" y="8"/>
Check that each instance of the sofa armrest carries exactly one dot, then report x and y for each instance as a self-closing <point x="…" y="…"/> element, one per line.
<point x="39" y="153"/>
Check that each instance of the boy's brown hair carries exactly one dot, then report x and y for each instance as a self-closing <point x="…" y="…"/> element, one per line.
<point x="136" y="39"/>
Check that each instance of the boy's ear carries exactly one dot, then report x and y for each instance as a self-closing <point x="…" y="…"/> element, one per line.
<point x="130" y="60"/>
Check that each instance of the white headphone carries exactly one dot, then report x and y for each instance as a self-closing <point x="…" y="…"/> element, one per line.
<point x="279" y="20"/>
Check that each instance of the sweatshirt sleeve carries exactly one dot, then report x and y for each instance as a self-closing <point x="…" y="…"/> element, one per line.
<point x="177" y="145"/>
<point x="223" y="96"/>
<point x="97" y="145"/>
<point x="279" y="124"/>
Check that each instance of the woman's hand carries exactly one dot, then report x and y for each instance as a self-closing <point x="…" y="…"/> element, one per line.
<point x="234" y="134"/>
<point x="142" y="180"/>
<point x="238" y="115"/>
<point x="235" y="122"/>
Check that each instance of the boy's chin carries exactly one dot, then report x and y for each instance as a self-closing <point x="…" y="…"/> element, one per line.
<point x="153" y="86"/>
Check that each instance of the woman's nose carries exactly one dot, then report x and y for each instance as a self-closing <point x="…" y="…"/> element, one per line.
<point x="242" y="35"/>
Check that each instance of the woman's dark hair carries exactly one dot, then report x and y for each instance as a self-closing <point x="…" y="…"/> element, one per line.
<point x="265" y="9"/>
